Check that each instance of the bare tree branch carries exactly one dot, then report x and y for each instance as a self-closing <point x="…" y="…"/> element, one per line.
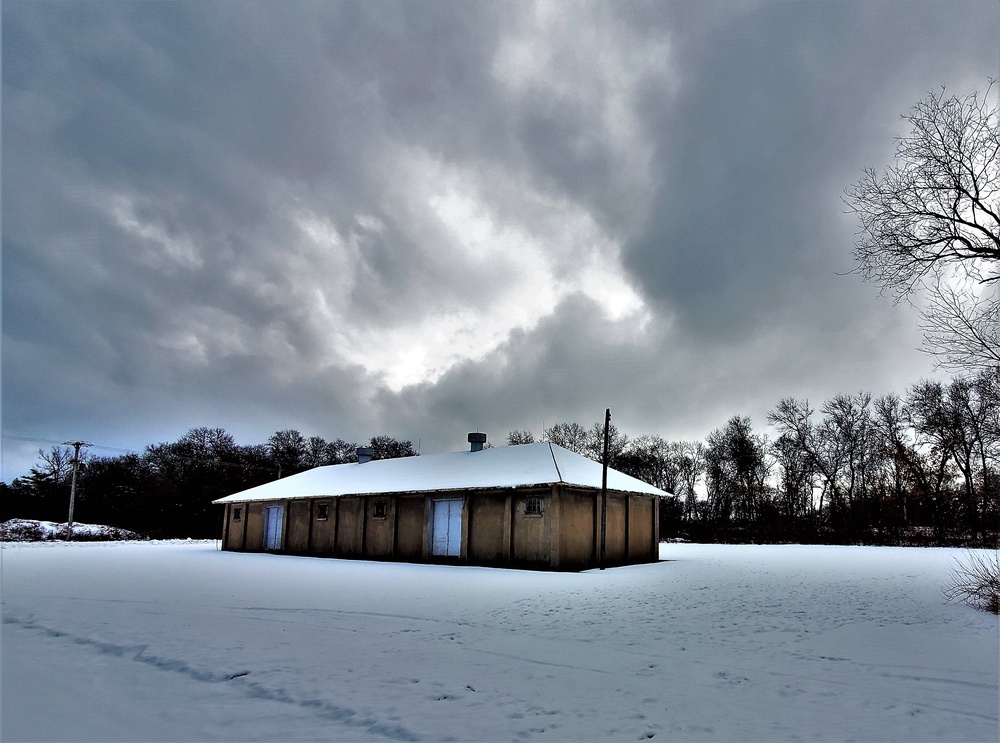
<point x="962" y="327"/>
<point x="934" y="214"/>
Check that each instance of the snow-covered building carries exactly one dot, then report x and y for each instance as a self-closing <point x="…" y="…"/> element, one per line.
<point x="534" y="505"/>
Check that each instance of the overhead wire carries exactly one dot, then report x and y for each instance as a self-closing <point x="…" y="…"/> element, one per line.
<point x="203" y="460"/>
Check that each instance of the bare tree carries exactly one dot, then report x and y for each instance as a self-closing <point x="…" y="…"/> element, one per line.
<point x="847" y="433"/>
<point x="289" y="451"/>
<point x="315" y="454"/>
<point x="570" y="436"/>
<point x="736" y="472"/>
<point x="793" y="420"/>
<point x="55" y="467"/>
<point x="341" y="452"/>
<point x="931" y="224"/>
<point x="898" y="453"/>
<point x="387" y="447"/>
<point x="927" y="412"/>
<point x="651" y="459"/>
<point x="594" y="446"/>
<point x="207" y="443"/>
<point x="690" y="469"/>
<point x="961" y="324"/>
<point x="516" y="438"/>
<point x="972" y="406"/>
<point x="795" y="477"/>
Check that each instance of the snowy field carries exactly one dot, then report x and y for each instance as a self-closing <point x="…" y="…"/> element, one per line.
<point x="177" y="641"/>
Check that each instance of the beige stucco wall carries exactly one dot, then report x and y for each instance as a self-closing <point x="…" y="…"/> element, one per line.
<point x="350" y="524"/>
<point x="379" y="532"/>
<point x="410" y="520"/>
<point x="576" y="528"/>
<point x="531" y="535"/>
<point x="488" y="528"/>
<point x="255" y="527"/>
<point x="297" y="525"/>
<point x="234" y="529"/>
<point x="615" y="535"/>
<point x="324" y="530"/>
<point x="496" y="530"/>
<point x="640" y="532"/>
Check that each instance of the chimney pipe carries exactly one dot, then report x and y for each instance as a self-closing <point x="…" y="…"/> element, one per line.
<point x="477" y="440"/>
<point x="364" y="454"/>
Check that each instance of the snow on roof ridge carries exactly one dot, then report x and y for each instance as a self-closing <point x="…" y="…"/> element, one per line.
<point x="554" y="461"/>
<point x="498" y="467"/>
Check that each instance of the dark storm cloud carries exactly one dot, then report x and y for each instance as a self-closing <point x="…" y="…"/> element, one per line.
<point x="209" y="126"/>
<point x="222" y="213"/>
<point x="578" y="361"/>
<point x="779" y="109"/>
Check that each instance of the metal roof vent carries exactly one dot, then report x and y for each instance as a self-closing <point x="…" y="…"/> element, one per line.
<point x="364" y="454"/>
<point x="477" y="440"/>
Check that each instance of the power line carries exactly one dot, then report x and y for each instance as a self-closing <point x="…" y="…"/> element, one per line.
<point x="62" y="443"/>
<point x="173" y="455"/>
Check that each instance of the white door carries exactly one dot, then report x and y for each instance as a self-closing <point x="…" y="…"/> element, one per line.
<point x="446" y="528"/>
<point x="272" y="527"/>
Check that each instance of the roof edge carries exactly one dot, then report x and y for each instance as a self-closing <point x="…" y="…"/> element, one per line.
<point x="229" y="499"/>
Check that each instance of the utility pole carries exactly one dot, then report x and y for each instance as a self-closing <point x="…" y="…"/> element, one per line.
<point x="72" y="488"/>
<point x="604" y="489"/>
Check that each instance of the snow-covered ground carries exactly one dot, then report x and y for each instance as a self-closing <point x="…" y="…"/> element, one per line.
<point x="178" y="641"/>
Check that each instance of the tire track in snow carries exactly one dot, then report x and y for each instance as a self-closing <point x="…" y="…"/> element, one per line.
<point x="252" y="689"/>
<point x="345" y="612"/>
<point x="938" y="680"/>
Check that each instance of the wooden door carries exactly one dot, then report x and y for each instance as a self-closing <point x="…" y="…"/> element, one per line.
<point x="446" y="528"/>
<point x="274" y="515"/>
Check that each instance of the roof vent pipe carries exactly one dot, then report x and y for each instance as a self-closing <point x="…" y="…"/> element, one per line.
<point x="477" y="440"/>
<point x="364" y="454"/>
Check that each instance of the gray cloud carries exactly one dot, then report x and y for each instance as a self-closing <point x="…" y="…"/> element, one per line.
<point x="263" y="215"/>
<point x="655" y="379"/>
<point x="774" y="103"/>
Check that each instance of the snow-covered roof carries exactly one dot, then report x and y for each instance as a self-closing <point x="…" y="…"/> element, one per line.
<point x="503" y="467"/>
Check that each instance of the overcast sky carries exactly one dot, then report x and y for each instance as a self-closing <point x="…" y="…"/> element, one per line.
<point x="422" y="219"/>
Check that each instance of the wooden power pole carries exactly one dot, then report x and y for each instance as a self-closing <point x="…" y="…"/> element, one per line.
<point x="72" y="488"/>
<point x="604" y="489"/>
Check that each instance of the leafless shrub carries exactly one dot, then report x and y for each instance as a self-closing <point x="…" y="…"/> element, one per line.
<point x="103" y="534"/>
<point x="976" y="581"/>
<point x="27" y="530"/>
<point x="18" y="530"/>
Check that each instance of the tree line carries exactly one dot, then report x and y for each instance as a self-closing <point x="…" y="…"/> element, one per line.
<point x="918" y="469"/>
<point x="168" y="489"/>
<point x="923" y="468"/>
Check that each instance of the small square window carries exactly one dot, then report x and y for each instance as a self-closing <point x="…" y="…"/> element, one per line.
<point x="322" y="511"/>
<point x="378" y="509"/>
<point x="533" y="505"/>
<point x="237" y="514"/>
